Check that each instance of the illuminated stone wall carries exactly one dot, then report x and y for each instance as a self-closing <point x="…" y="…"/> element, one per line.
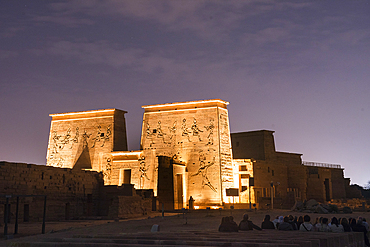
<point x="70" y="193"/>
<point x="197" y="134"/>
<point x="84" y="140"/>
<point x="246" y="192"/>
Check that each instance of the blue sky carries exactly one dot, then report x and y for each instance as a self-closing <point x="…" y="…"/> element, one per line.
<point x="300" y="68"/>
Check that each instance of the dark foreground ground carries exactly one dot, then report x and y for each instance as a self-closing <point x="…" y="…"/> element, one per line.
<point x="199" y="220"/>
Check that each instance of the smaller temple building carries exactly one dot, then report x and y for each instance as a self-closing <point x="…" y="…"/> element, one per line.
<point x="282" y="175"/>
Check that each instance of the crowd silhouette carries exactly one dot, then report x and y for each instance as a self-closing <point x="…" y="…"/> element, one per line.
<point x="302" y="223"/>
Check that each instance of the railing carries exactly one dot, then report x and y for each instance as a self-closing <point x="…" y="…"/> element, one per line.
<point x="307" y="163"/>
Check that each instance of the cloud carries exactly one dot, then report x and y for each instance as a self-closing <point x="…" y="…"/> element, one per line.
<point x="210" y="20"/>
<point x="5" y="54"/>
<point x="69" y="21"/>
<point x="11" y="31"/>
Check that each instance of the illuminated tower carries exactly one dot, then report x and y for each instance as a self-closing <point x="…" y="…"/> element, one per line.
<point x="195" y="136"/>
<point x="84" y="140"/>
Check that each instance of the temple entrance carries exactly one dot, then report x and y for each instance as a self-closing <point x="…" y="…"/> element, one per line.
<point x="327" y="189"/>
<point x="179" y="192"/>
<point x="170" y="188"/>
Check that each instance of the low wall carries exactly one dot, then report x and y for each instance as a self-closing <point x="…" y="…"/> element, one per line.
<point x="70" y="193"/>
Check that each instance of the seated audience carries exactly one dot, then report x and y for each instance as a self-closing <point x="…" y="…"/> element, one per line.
<point x="291" y="221"/>
<point x="365" y="224"/>
<point x="247" y="225"/>
<point x="226" y="225"/>
<point x="276" y="221"/>
<point x="306" y="225"/>
<point x="285" y="226"/>
<point x="345" y="224"/>
<point x="267" y="224"/>
<point x="359" y="227"/>
<point x="300" y="221"/>
<point x="324" y="225"/>
<point x="335" y="226"/>
<point x="233" y="224"/>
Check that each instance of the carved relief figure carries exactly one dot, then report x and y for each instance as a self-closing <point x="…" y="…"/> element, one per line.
<point x="147" y="130"/>
<point x="160" y="134"/>
<point x="75" y="139"/>
<point x="101" y="136"/>
<point x="143" y="172"/>
<point x="172" y="131"/>
<point x="185" y="131"/>
<point x="107" y="171"/>
<point x="202" y="170"/>
<point x="66" y="138"/>
<point x="149" y="133"/>
<point x="224" y="129"/>
<point x="97" y="137"/>
<point x="210" y="128"/>
<point x="85" y="136"/>
<point x="55" y="148"/>
<point x="196" y="131"/>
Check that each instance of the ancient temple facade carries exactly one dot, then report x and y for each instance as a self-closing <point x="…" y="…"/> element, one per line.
<point x="187" y="152"/>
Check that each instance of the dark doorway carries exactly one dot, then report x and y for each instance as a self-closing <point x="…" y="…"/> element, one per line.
<point x="179" y="189"/>
<point x="26" y="213"/>
<point x="327" y="189"/>
<point x="127" y="176"/>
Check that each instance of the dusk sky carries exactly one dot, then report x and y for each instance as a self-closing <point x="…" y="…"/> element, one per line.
<point x="299" y="68"/>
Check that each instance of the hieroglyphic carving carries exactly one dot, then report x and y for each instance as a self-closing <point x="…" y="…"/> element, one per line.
<point x="195" y="129"/>
<point x="160" y="133"/>
<point x="185" y="131"/>
<point x="143" y="171"/>
<point x="210" y="128"/>
<point x="107" y="172"/>
<point x="85" y="136"/>
<point x="75" y="139"/>
<point x="147" y="130"/>
<point x="101" y="136"/>
<point x="55" y="148"/>
<point x="203" y="169"/>
<point x="224" y="129"/>
<point x="172" y="131"/>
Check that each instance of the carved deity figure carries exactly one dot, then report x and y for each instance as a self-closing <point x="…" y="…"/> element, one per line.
<point x="75" y="139"/>
<point x="210" y="128"/>
<point x="143" y="170"/>
<point x="203" y="169"/>
<point x="185" y="131"/>
<point x="196" y="131"/>
<point x="85" y="136"/>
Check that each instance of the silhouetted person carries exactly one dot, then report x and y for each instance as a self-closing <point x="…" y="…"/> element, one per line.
<point x="359" y="227"/>
<point x="233" y="225"/>
<point x="306" y="226"/>
<point x="291" y="221"/>
<point x="299" y="221"/>
<point x="267" y="223"/>
<point x="324" y="225"/>
<point x="285" y="225"/>
<point x="335" y="226"/>
<point x="247" y="225"/>
<point x="345" y="224"/>
<point x="226" y="225"/>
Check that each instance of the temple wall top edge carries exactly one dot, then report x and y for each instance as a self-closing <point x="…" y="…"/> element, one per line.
<point x="86" y="114"/>
<point x="186" y="105"/>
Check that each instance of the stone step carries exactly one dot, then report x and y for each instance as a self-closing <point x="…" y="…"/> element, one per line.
<point x="247" y="239"/>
